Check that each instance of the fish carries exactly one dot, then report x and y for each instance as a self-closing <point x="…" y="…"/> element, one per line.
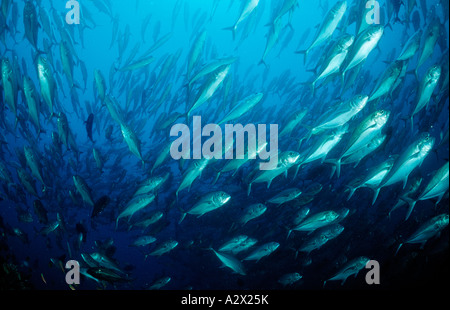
<point x="10" y="87"/>
<point x="366" y="131"/>
<point x="373" y="177"/>
<point x="285" y="161"/>
<point x="248" y="8"/>
<point x="320" y="237"/>
<point x="143" y="241"/>
<point x="233" y="243"/>
<point x="340" y="115"/>
<point x="411" y="46"/>
<point x="210" y="87"/>
<point x="316" y="221"/>
<point x="272" y="39"/>
<point x="328" y="26"/>
<point x="89" y="124"/>
<point x="33" y="102"/>
<point x="353" y="267"/>
<point x="40" y="211"/>
<point x="100" y="205"/>
<point x="30" y="23"/>
<point x="193" y="172"/>
<point x="334" y="59"/>
<point x="427" y="230"/>
<point x="136" y="204"/>
<point x="429" y="39"/>
<point x="262" y="251"/>
<point x="411" y="158"/>
<point x="231" y="262"/>
<point x="160" y="283"/>
<point x="289" y="278"/>
<point x="33" y="164"/>
<point x="99" y="85"/>
<point x="285" y="196"/>
<point x="363" y="46"/>
<point x="83" y="189"/>
<point x="46" y="82"/>
<point x="133" y="142"/>
<point x="63" y="129"/>
<point x="242" y="107"/>
<point x="164" y="248"/>
<point x="436" y="188"/>
<point x="251" y="212"/>
<point x="426" y="89"/>
<point x="386" y="82"/>
<point x="209" y="202"/>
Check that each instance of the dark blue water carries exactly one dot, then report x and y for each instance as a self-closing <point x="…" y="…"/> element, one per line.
<point x="114" y="34"/>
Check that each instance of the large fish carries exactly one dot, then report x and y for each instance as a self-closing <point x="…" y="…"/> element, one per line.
<point x="10" y="86"/>
<point x="209" y="202"/>
<point x="334" y="58"/>
<point x="427" y="230"/>
<point x="340" y="115"/>
<point x="411" y="158"/>
<point x="30" y="23"/>
<point x="426" y="89"/>
<point x="89" y="123"/>
<point x="251" y="212"/>
<point x="328" y="25"/>
<point x="285" y="161"/>
<point x="134" y="205"/>
<point x="272" y="39"/>
<point x="411" y="46"/>
<point x="231" y="262"/>
<point x="262" y="251"/>
<point x="364" y="44"/>
<point x="373" y="177"/>
<point x="192" y="173"/>
<point x="33" y="164"/>
<point x="47" y="83"/>
<point x="366" y="131"/>
<point x="351" y="268"/>
<point x="430" y="37"/>
<point x="246" y="11"/>
<point x="100" y="86"/>
<point x="67" y="62"/>
<point x="210" y="87"/>
<point x="33" y="102"/>
<point x="133" y="142"/>
<point x="386" y="82"/>
<point x="436" y="188"/>
<point x="83" y="189"/>
<point x="242" y="107"/>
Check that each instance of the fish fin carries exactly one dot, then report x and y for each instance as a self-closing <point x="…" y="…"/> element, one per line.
<point x="411" y="203"/>
<point x="249" y="189"/>
<point x="263" y="62"/>
<point x="232" y="29"/>
<point x="304" y="53"/>
<point x="375" y="194"/>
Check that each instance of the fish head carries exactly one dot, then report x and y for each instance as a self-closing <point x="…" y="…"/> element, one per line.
<point x="346" y="41"/>
<point x="273" y="246"/>
<point x="381" y="117"/>
<point x="331" y="216"/>
<point x="426" y="143"/>
<point x="443" y="221"/>
<point x="339" y="8"/>
<point x="291" y="157"/>
<point x="359" y="102"/>
<point x="221" y="197"/>
<point x="434" y="73"/>
<point x="374" y="32"/>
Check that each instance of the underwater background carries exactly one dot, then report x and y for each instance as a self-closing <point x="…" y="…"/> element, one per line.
<point x="86" y="172"/>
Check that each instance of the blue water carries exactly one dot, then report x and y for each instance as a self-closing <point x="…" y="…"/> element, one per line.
<point x="284" y="80"/>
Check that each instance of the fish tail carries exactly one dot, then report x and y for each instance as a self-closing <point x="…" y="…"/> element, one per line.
<point x="411" y="203"/>
<point x="304" y="53"/>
